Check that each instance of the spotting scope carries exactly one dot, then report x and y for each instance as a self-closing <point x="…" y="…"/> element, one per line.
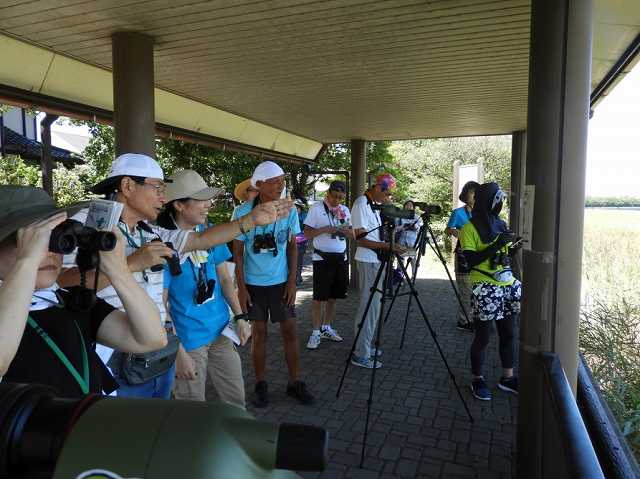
<point x="97" y="437"/>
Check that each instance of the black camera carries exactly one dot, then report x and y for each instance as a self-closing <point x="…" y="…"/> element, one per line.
<point x="173" y="261"/>
<point x="204" y="290"/>
<point x="339" y="235"/>
<point x="265" y="242"/>
<point x="71" y="234"/>
<point x="427" y="208"/>
<point x="392" y="211"/>
<point x="500" y="259"/>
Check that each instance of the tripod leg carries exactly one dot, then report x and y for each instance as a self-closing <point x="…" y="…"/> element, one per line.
<point x="364" y="315"/>
<point x="435" y="340"/>
<point x="387" y="284"/>
<point x="446" y="268"/>
<point x="406" y="316"/>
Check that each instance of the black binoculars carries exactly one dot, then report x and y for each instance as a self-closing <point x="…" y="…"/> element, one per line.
<point x="500" y="259"/>
<point x="265" y="242"/>
<point x="204" y="290"/>
<point x="173" y="261"/>
<point x="71" y="234"/>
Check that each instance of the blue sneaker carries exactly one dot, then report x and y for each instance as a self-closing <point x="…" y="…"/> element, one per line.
<point x="364" y="362"/>
<point x="480" y="390"/>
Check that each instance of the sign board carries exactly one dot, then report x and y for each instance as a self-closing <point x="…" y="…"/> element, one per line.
<point x="526" y="215"/>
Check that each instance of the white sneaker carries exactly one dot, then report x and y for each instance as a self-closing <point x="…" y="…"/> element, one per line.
<point x="314" y="340"/>
<point x="331" y="334"/>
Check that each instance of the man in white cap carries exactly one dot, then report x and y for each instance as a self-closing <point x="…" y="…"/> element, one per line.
<point x="137" y="181"/>
<point x="266" y="261"/>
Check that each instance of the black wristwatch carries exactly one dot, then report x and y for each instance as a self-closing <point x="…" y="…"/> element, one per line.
<point x="244" y="316"/>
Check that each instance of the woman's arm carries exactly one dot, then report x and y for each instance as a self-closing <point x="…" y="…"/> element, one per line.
<point x="19" y="284"/>
<point x="311" y="233"/>
<point x="262" y="214"/>
<point x="231" y="296"/>
<point x="138" y="329"/>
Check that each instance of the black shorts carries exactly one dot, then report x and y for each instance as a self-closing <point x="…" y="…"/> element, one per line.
<point x="267" y="302"/>
<point x="330" y="280"/>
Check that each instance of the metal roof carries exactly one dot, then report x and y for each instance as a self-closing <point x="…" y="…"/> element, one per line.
<point x="14" y="143"/>
<point x="289" y="75"/>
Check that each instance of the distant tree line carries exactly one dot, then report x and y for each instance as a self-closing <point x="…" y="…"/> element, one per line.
<point x="612" y="202"/>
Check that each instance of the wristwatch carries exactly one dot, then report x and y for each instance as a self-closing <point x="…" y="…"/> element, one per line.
<point x="244" y="316"/>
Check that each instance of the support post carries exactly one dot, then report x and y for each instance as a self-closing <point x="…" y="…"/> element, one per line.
<point x="358" y="186"/>
<point x="559" y="87"/>
<point x="133" y="96"/>
<point x="46" y="162"/>
<point x="518" y="159"/>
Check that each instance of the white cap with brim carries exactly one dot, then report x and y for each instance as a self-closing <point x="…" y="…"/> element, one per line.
<point x="189" y="184"/>
<point x="129" y="164"/>
<point x="265" y="171"/>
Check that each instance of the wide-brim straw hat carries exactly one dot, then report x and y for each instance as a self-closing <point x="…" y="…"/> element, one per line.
<point x="241" y="191"/>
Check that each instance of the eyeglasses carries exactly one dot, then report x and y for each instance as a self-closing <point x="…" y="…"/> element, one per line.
<point x="160" y="188"/>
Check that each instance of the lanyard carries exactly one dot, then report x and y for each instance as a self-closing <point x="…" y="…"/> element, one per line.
<point x="330" y="214"/>
<point x="130" y="240"/>
<point x="83" y="381"/>
<point x="133" y="244"/>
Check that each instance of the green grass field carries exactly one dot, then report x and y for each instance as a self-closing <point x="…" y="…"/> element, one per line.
<point x="610" y="322"/>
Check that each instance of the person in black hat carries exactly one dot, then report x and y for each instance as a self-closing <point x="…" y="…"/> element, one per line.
<point x="41" y="339"/>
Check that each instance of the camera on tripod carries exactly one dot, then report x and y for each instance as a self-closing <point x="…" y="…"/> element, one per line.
<point x="265" y="243"/>
<point x="71" y="234"/>
<point x="427" y="208"/>
<point x="392" y="211"/>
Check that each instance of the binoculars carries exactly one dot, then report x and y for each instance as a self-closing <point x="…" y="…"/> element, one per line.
<point x="71" y="234"/>
<point x="265" y="242"/>
<point x="173" y="261"/>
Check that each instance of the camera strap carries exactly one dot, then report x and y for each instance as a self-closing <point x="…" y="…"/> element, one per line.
<point x="83" y="381"/>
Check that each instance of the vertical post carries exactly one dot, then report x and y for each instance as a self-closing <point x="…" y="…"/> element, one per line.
<point x="358" y="180"/>
<point x="559" y="87"/>
<point x="46" y="161"/>
<point x="133" y="102"/>
<point x="518" y="156"/>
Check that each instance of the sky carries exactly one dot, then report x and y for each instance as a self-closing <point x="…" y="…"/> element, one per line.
<point x="613" y="149"/>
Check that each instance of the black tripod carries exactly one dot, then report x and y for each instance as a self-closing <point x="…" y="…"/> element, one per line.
<point x="420" y="246"/>
<point x="386" y="266"/>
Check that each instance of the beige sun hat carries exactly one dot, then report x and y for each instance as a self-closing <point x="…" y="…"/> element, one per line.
<point x="189" y="184"/>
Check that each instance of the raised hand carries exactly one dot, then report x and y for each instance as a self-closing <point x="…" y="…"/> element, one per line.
<point x="267" y="213"/>
<point x="150" y="254"/>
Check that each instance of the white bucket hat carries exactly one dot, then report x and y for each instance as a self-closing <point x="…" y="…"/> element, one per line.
<point x="266" y="170"/>
<point x="129" y="164"/>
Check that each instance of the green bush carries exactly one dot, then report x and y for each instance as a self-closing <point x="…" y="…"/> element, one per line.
<point x="610" y="341"/>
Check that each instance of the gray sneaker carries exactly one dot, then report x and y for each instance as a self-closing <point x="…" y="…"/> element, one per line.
<point x="364" y="362"/>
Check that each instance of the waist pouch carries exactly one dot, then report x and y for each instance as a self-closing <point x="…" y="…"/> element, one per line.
<point x="141" y="368"/>
<point x="332" y="258"/>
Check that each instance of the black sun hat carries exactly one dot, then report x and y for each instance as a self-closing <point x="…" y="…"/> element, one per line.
<point x="23" y="205"/>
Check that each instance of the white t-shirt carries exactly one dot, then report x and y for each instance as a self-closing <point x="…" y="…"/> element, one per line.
<point x="317" y="218"/>
<point x="362" y="216"/>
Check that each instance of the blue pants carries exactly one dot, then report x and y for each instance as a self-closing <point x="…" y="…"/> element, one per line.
<point x="157" y="388"/>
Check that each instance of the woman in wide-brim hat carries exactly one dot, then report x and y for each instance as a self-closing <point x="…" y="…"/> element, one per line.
<point x="199" y="299"/>
<point x="244" y="191"/>
<point x="41" y="339"/>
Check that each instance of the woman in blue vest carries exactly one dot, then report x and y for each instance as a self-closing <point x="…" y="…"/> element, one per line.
<point x="199" y="298"/>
